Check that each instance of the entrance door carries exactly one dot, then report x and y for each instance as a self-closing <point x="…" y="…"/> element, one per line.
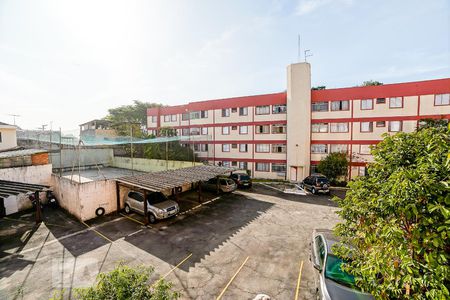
<point x="293" y="175"/>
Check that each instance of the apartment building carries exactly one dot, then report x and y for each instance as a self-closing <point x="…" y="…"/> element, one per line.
<point x="285" y="135"/>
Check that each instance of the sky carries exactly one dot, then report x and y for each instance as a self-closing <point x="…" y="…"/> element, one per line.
<point x="63" y="63"/>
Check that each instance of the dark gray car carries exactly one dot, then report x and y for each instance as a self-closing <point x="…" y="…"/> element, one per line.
<point x="316" y="183"/>
<point x="332" y="283"/>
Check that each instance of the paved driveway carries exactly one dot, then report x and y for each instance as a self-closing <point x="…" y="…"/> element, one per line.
<point x="236" y="246"/>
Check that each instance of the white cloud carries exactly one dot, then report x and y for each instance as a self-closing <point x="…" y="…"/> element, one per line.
<point x="305" y="7"/>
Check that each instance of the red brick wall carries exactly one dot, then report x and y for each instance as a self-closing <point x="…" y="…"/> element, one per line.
<point x="39" y="159"/>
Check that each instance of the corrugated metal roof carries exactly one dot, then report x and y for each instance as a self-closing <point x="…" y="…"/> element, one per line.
<point x="164" y="180"/>
<point x="8" y="188"/>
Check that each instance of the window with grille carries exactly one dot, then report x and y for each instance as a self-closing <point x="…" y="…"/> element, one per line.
<point x="340" y="105"/>
<point x="262" y="110"/>
<point x="320" y="106"/>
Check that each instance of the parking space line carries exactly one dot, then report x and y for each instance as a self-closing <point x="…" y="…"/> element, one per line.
<point x="132" y="219"/>
<point x="232" y="278"/>
<point x="97" y="232"/>
<point x="297" y="290"/>
<point x="198" y="206"/>
<point x="179" y="264"/>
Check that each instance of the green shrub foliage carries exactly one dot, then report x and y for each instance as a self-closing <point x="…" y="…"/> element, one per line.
<point x="397" y="218"/>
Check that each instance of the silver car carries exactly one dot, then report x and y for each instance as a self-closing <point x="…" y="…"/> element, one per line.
<point x="158" y="206"/>
<point x="225" y="185"/>
<point x="332" y="283"/>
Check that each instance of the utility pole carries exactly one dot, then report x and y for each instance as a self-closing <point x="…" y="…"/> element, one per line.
<point x="167" y="154"/>
<point x="60" y="152"/>
<point x="14" y="118"/>
<point x="131" y="148"/>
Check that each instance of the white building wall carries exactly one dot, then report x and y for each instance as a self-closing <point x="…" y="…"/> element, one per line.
<point x="8" y="137"/>
<point x="40" y="174"/>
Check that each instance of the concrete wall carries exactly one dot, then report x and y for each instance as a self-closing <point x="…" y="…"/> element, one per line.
<point x="299" y="120"/>
<point x="69" y="157"/>
<point x="31" y="174"/>
<point x="8" y="137"/>
<point x="82" y="199"/>
<point x="149" y="165"/>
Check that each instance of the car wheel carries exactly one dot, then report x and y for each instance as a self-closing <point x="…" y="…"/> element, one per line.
<point x="151" y="218"/>
<point x="127" y="209"/>
<point x="313" y="191"/>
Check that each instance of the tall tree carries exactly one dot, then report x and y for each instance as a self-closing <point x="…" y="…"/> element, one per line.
<point x="371" y="83"/>
<point x="397" y="218"/>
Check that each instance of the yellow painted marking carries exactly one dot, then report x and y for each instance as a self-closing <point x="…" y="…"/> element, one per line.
<point x="96" y="231"/>
<point x="179" y="264"/>
<point x="298" y="280"/>
<point x="232" y="278"/>
<point x="132" y="219"/>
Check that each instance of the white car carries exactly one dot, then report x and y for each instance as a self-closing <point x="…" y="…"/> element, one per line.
<point x="158" y="206"/>
<point x="225" y="185"/>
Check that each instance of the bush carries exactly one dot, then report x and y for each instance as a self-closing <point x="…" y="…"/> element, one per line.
<point x="334" y="165"/>
<point x="123" y="283"/>
<point x="398" y="218"/>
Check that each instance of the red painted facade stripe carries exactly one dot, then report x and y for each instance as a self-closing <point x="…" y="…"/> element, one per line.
<point x="386" y="118"/>
<point x="353" y="164"/>
<point x="235" y="142"/>
<point x="348" y="142"/>
<point x="271" y="122"/>
<point x="428" y="87"/>
<point x="245" y="101"/>
<point x="253" y="160"/>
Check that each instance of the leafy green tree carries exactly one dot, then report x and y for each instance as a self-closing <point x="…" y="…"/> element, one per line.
<point x="334" y="165"/>
<point x="318" y="88"/>
<point x="124" y="283"/>
<point x="427" y="123"/>
<point x="371" y="83"/>
<point x="398" y="218"/>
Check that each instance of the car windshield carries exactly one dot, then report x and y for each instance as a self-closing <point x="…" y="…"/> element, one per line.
<point x="245" y="177"/>
<point x="334" y="272"/>
<point x="155" y="198"/>
<point x="322" y="180"/>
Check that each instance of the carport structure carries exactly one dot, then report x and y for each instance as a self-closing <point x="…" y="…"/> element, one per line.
<point x="9" y="192"/>
<point x="170" y="180"/>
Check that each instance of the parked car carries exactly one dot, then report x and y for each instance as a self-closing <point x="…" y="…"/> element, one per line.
<point x="316" y="183"/>
<point x="242" y="179"/>
<point x="331" y="282"/>
<point x="158" y="206"/>
<point x="226" y="185"/>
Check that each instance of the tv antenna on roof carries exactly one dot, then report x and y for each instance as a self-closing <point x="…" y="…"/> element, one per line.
<point x="307" y="54"/>
<point x="14" y="117"/>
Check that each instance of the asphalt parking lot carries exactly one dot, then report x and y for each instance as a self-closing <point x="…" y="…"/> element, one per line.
<point x="234" y="246"/>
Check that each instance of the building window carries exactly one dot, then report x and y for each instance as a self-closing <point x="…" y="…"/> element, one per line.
<point x="366" y="104"/>
<point x="204" y="114"/>
<point x="234" y="109"/>
<point x="381" y="100"/>
<point x="364" y="149"/>
<point x="381" y="123"/>
<point x="243" y="165"/>
<point x="340" y="105"/>
<point x="279" y="109"/>
<point x="225" y="130"/>
<point x="279" y="148"/>
<point x="185" y="117"/>
<point x="225" y="112"/>
<point x="243" y="111"/>
<point x="320" y="106"/>
<point x="279" y="128"/>
<point x="442" y="99"/>
<point x="366" y="126"/>
<point x="314" y="169"/>
<point x="233" y="146"/>
<point x="262" y="167"/>
<point x="319" y="148"/>
<point x="243" y="147"/>
<point x="204" y="130"/>
<point x="396" y="102"/>
<point x="201" y="147"/>
<point x="154" y="119"/>
<point x="262" y="110"/>
<point x="338" y="148"/>
<point x="262" y="128"/>
<point x="234" y="163"/>
<point x="233" y="127"/>
<point x="262" y="148"/>
<point x="243" y="129"/>
<point x="173" y="118"/>
<point x="319" y="127"/>
<point x="166" y="118"/>
<point x="279" y="168"/>
<point x="225" y="147"/>
<point x="226" y="163"/>
<point x="362" y="171"/>
<point x="338" y="127"/>
<point x="195" y="131"/>
<point x="395" y="126"/>
<point x="185" y="131"/>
